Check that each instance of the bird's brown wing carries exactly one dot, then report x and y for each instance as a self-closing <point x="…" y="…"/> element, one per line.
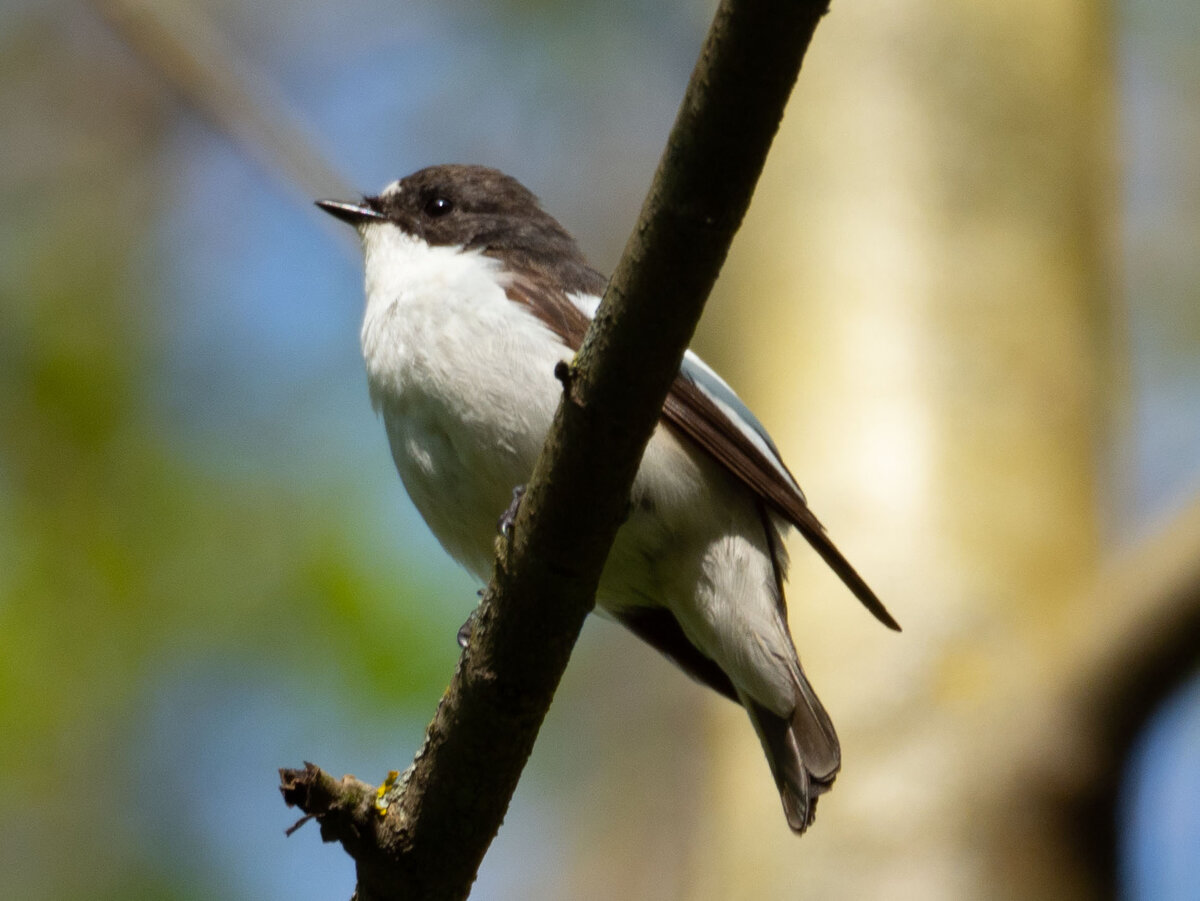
<point x="693" y="412"/>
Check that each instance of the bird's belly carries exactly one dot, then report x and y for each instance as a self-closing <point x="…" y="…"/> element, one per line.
<point x="463" y="437"/>
<point x="459" y="474"/>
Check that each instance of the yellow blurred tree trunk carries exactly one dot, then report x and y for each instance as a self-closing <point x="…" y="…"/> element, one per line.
<point x="929" y="248"/>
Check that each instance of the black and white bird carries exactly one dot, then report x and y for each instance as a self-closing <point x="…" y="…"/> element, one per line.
<point x="473" y="295"/>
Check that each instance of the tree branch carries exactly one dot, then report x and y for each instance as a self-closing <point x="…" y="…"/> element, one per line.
<point x="191" y="57"/>
<point x="441" y="816"/>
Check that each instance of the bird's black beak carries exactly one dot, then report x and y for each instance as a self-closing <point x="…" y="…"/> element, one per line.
<point x="353" y="213"/>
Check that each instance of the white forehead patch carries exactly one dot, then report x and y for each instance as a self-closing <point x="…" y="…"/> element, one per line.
<point x="391" y="190"/>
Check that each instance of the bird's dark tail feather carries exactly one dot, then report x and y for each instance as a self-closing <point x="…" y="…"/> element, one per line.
<point x="803" y="752"/>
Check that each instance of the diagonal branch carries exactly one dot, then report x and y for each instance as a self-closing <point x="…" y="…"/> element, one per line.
<point x="449" y="805"/>
<point x="192" y="58"/>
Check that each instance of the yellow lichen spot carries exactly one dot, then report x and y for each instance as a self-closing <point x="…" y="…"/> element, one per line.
<point x="381" y="799"/>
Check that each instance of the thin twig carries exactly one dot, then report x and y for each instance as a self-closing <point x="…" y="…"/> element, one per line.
<point x="207" y="74"/>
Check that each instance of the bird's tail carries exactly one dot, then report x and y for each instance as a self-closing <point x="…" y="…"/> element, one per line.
<point x="803" y="752"/>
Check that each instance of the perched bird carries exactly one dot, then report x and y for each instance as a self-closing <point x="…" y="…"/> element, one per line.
<point x="473" y="295"/>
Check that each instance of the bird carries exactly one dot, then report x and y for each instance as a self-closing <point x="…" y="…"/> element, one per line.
<point x="474" y="294"/>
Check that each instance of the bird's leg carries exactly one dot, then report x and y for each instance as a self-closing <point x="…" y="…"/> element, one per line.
<point x="505" y="526"/>
<point x="465" y="630"/>
<point x="509" y="517"/>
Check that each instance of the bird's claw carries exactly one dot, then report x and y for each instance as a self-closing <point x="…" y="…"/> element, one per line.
<point x="465" y="630"/>
<point x="509" y="517"/>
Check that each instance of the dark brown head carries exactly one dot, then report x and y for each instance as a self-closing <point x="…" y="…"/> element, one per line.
<point x="475" y="208"/>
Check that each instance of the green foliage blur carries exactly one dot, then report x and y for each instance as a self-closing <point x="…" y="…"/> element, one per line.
<point x="124" y="558"/>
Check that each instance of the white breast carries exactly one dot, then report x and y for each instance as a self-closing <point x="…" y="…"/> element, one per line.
<point x="464" y="379"/>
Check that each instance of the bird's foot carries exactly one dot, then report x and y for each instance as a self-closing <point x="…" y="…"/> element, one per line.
<point x="509" y="517"/>
<point x="464" y="632"/>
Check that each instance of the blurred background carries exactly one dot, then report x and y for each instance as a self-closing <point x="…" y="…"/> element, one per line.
<point x="965" y="303"/>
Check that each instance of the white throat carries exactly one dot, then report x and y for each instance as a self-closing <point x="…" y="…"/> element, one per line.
<point x="419" y="298"/>
<point x="402" y="269"/>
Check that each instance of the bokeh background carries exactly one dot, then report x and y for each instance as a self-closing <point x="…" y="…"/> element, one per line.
<point x="965" y="302"/>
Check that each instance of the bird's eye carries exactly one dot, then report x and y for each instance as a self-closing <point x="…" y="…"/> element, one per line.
<point x="438" y="206"/>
